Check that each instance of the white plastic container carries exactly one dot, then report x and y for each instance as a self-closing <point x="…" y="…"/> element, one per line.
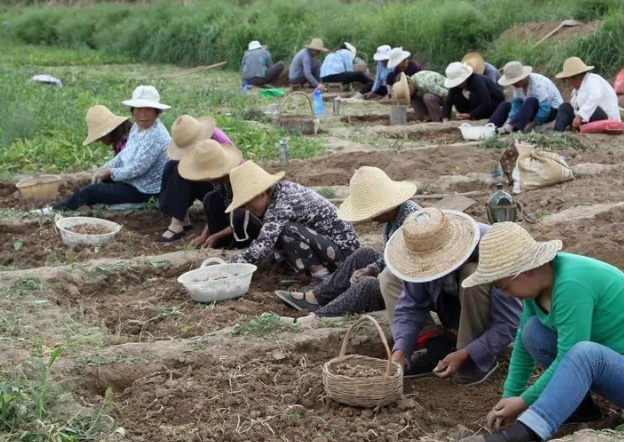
<point x="219" y="282"/>
<point x="72" y="238"/>
<point x="475" y="133"/>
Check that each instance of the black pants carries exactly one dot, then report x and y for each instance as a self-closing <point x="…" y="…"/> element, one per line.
<point x="462" y="104"/>
<point x="245" y="226"/>
<point x="382" y="91"/>
<point x="566" y="115"/>
<point x="107" y="192"/>
<point x="349" y="77"/>
<point x="177" y="194"/>
<point x="272" y="74"/>
<point x="526" y="114"/>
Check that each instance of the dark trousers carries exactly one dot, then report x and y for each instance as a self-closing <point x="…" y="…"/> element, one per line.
<point x="382" y="91"/>
<point x="272" y="74"/>
<point x="525" y="115"/>
<point x="566" y="115"/>
<point x="349" y="77"/>
<point x="429" y="106"/>
<point x="107" y="192"/>
<point x="245" y="226"/>
<point x="462" y="104"/>
<point x="177" y="194"/>
<point x="316" y="73"/>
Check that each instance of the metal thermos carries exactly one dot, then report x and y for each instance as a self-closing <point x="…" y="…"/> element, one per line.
<point x="283" y="153"/>
<point x="337" y="103"/>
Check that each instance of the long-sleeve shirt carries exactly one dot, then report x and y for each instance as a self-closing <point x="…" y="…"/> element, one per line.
<point x="412" y="68"/>
<point x="293" y="203"/>
<point x="220" y="137"/>
<point x="142" y="161"/>
<point x="302" y="66"/>
<point x="337" y="62"/>
<point x="542" y="88"/>
<point x="587" y="305"/>
<point x="484" y="97"/>
<point x="491" y="72"/>
<point x="417" y="299"/>
<point x="255" y="64"/>
<point x="595" y="91"/>
<point x="429" y="82"/>
<point x="381" y="76"/>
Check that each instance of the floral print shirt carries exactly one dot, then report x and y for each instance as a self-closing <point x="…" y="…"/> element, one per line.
<point x="543" y="89"/>
<point x="429" y="82"/>
<point x="293" y="203"/>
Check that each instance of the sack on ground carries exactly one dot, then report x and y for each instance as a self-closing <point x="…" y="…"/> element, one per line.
<point x="603" y="127"/>
<point x="536" y="168"/>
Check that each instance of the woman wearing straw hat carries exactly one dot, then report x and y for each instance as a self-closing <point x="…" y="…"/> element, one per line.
<point x="305" y="67"/>
<point x="535" y="101"/>
<point x="433" y="253"/>
<point x="338" y="68"/>
<point x="298" y="222"/>
<point x="480" y="66"/>
<point x="474" y="96"/>
<point x="593" y="98"/>
<point x="354" y="287"/>
<point x="571" y="326"/>
<point x="107" y="128"/>
<point x="134" y="175"/>
<point x="257" y="67"/>
<point x="378" y="87"/>
<point x="177" y="194"/>
<point x="399" y="61"/>
<point x="211" y="162"/>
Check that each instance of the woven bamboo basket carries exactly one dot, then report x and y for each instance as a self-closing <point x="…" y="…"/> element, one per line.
<point x="364" y="391"/>
<point x="302" y="124"/>
<point x="40" y="188"/>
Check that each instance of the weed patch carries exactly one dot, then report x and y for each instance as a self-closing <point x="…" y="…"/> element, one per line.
<point x="266" y="325"/>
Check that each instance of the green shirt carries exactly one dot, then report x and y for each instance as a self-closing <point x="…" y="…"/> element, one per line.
<point x="429" y="82"/>
<point x="587" y="305"/>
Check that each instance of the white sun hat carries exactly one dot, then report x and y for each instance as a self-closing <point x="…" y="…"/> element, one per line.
<point x="397" y="55"/>
<point x="431" y="244"/>
<point x="254" y="45"/>
<point x="248" y="181"/>
<point x="456" y="74"/>
<point x="146" y="96"/>
<point x="351" y="48"/>
<point x="513" y="72"/>
<point x="383" y="53"/>
<point x="508" y="250"/>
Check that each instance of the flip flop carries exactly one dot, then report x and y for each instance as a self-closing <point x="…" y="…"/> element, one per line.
<point x="175" y="237"/>
<point x="299" y="304"/>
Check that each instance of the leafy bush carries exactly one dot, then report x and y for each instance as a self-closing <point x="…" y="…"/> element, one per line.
<point x="595" y="9"/>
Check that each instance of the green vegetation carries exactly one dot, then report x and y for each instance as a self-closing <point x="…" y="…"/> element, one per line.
<point x="549" y="141"/>
<point x="265" y="325"/>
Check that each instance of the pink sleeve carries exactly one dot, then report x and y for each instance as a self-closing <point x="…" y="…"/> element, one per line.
<point x="220" y="137"/>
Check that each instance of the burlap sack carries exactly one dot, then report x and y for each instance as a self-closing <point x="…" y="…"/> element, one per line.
<point x="536" y="168"/>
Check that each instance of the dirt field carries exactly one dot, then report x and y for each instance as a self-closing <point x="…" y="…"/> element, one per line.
<point x="177" y="370"/>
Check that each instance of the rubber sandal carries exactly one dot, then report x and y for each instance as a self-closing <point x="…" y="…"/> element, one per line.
<point x="175" y="237"/>
<point x="299" y="304"/>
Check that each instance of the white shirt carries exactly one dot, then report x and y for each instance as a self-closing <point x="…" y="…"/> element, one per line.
<point x="541" y="88"/>
<point x="595" y="91"/>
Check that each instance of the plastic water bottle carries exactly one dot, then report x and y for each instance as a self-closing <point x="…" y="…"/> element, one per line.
<point x="501" y="206"/>
<point x="243" y="88"/>
<point x="318" y="103"/>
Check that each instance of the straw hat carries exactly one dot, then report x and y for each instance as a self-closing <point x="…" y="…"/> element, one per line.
<point x="476" y="61"/>
<point x="352" y="49"/>
<point x="508" y="250"/>
<point x="457" y="73"/>
<point x="573" y="66"/>
<point x="513" y="72"/>
<point x="431" y="244"/>
<point x="209" y="160"/>
<point x="317" y="45"/>
<point x="400" y="89"/>
<point x="248" y="181"/>
<point x="101" y="122"/>
<point x="254" y="45"/>
<point x="397" y="55"/>
<point x="383" y="53"/>
<point x="371" y="193"/>
<point x="146" y="96"/>
<point x="186" y="131"/>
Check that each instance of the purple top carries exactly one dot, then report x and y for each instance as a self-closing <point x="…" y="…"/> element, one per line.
<point x="417" y="299"/>
<point x="220" y="137"/>
<point x="412" y="68"/>
<point x="119" y="147"/>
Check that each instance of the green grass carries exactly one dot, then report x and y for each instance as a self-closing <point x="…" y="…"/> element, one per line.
<point x="550" y="141"/>
<point x="266" y="325"/>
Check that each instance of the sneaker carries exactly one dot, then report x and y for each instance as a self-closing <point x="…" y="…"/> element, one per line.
<point x="505" y="129"/>
<point x="587" y="411"/>
<point x="469" y="374"/>
<point x="44" y="211"/>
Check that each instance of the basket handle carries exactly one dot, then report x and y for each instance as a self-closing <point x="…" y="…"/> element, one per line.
<point x="211" y="261"/>
<point x="281" y="109"/>
<point x="347" y="338"/>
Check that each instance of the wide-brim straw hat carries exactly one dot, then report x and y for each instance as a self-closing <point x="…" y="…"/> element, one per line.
<point x="475" y="60"/>
<point x="209" y="160"/>
<point x="352" y="49"/>
<point x="382" y="53"/>
<point x="317" y="45"/>
<point x="248" y="181"/>
<point x="456" y="74"/>
<point x="400" y="89"/>
<point x="431" y="244"/>
<point x="513" y="72"/>
<point x="508" y="250"/>
<point x="372" y="193"/>
<point x="100" y="122"/>
<point x="573" y="66"/>
<point x="146" y="96"/>
<point x="186" y="132"/>
<point x="397" y="55"/>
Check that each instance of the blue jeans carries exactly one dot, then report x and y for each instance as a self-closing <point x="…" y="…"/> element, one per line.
<point x="586" y="366"/>
<point x="540" y="341"/>
<point x="107" y="192"/>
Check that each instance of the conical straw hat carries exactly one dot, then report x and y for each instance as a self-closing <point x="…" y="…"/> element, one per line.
<point x="431" y="244"/>
<point x="101" y="122"/>
<point x="371" y="193"/>
<point x="186" y="131"/>
<point x="248" y="181"/>
<point x="209" y="160"/>
<point x="508" y="250"/>
<point x="400" y="89"/>
<point x="317" y="45"/>
<point x="476" y="61"/>
<point x="573" y="66"/>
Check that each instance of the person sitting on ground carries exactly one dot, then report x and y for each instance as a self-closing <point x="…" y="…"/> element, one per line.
<point x="134" y="175"/>
<point x="354" y="287"/>
<point x="480" y="66"/>
<point x="474" y="96"/>
<point x="178" y="194"/>
<point x="535" y="100"/>
<point x="433" y="253"/>
<point x="211" y="162"/>
<point x="305" y="67"/>
<point x="378" y="87"/>
<point x="338" y="68"/>
<point x="399" y="61"/>
<point x="427" y="92"/>
<point x="593" y="98"/>
<point x="107" y="128"/>
<point x="297" y="223"/>
<point x="257" y="67"/>
<point x="571" y="326"/>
